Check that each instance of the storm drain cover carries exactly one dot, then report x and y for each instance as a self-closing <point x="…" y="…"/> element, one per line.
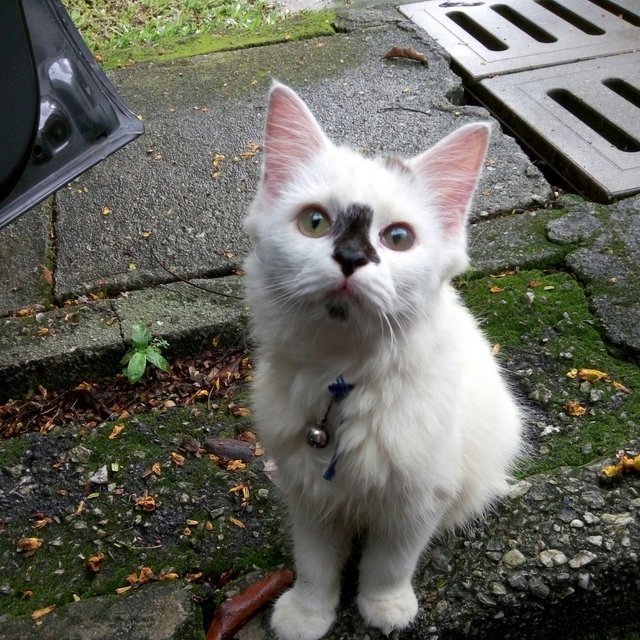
<point x="560" y="73"/>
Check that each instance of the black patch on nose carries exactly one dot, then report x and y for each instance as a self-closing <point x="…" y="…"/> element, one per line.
<point x="352" y="248"/>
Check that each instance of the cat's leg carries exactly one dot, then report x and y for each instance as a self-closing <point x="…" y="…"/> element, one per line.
<point x="307" y="611"/>
<point x="386" y="598"/>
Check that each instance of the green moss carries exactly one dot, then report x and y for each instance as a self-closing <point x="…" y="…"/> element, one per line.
<point x="190" y="531"/>
<point x="299" y="27"/>
<point x="13" y="450"/>
<point x="544" y="328"/>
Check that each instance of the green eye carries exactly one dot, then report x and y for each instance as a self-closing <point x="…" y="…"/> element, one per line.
<point x="314" y="223"/>
<point x="398" y="237"/>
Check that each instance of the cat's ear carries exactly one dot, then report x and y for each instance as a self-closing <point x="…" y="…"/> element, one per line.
<point x="452" y="169"/>
<point x="292" y="137"/>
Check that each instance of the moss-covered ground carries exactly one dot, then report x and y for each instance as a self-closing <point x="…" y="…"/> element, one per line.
<point x="159" y="507"/>
<point x="545" y="336"/>
<point x="296" y="27"/>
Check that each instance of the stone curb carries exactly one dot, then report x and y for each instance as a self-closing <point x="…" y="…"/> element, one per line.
<point x="90" y="338"/>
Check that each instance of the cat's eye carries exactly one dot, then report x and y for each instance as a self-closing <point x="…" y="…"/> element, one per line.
<point x="313" y="222"/>
<point x="398" y="237"/>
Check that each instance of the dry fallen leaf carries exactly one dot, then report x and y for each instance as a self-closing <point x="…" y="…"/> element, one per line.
<point x="42" y="522"/>
<point x="406" y="52"/>
<point x="243" y="490"/>
<point x="239" y="412"/>
<point x="496" y="289"/>
<point x="592" y="375"/>
<point x="29" y="545"/>
<point x="625" y="464"/>
<point x="121" y="590"/>
<point x="147" y="503"/>
<point x="237" y="522"/>
<point x="146" y="574"/>
<point x="117" y="430"/>
<point x="251" y="148"/>
<point x="48" y="276"/>
<point x="574" y="408"/>
<point x="177" y="458"/>
<point x="235" y="465"/>
<point x="217" y="160"/>
<point x="94" y="563"/>
<point x="170" y="575"/>
<point x="36" y="615"/>
<point x="618" y="386"/>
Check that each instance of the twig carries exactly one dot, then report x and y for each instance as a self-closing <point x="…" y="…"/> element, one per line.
<point x="178" y="277"/>
<point x="425" y="113"/>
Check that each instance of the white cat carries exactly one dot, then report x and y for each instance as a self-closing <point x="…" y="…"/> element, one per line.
<point x="350" y="278"/>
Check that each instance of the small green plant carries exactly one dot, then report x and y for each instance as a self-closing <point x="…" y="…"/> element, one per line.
<point x="143" y="350"/>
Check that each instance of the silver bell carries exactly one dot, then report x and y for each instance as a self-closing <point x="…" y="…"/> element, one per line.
<point x="317" y="437"/>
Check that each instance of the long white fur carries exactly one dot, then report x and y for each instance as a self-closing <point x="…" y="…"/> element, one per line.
<point x="430" y="430"/>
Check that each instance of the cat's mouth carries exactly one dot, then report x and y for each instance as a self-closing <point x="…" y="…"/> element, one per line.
<point x="338" y="309"/>
<point x="340" y="302"/>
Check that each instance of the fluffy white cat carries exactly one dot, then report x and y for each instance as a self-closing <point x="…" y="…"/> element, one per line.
<point x="349" y="286"/>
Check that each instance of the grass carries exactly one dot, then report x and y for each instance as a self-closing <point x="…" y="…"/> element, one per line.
<point x="122" y="24"/>
<point x="120" y="32"/>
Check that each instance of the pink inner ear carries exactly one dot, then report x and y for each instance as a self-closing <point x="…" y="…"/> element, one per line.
<point x="292" y="137"/>
<point x="452" y="169"/>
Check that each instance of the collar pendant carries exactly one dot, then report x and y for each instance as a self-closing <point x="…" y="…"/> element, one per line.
<point x="317" y="434"/>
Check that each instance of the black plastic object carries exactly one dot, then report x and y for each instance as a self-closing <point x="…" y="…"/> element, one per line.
<point x="59" y="114"/>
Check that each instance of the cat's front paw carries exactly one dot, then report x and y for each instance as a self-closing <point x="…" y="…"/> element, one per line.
<point x="389" y="610"/>
<point x="294" y="619"/>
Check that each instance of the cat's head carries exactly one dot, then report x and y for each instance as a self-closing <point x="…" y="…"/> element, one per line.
<point x="341" y="235"/>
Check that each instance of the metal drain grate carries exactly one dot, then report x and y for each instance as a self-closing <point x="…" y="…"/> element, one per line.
<point x="583" y="119"/>
<point x="560" y="73"/>
<point x="488" y="38"/>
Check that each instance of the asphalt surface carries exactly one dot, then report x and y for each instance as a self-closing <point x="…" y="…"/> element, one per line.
<point x="170" y="205"/>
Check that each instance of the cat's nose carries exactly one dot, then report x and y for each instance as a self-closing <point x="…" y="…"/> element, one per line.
<point x="349" y="259"/>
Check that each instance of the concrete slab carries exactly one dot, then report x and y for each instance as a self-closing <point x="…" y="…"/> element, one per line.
<point x="607" y="263"/>
<point x="58" y="347"/>
<point x="23" y="256"/>
<point x="64" y="346"/>
<point x="191" y="319"/>
<point x="518" y="240"/>
<point x="160" y="611"/>
<point x="198" y="109"/>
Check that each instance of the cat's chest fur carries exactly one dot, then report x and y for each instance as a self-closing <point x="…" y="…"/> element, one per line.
<point x="397" y="429"/>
